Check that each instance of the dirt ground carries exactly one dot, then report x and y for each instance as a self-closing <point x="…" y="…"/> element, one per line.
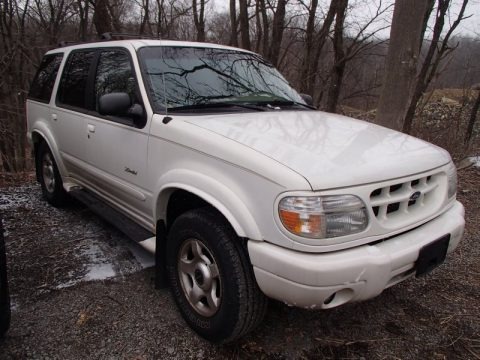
<point x="81" y="290"/>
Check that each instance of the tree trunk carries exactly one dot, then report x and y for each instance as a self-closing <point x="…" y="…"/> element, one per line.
<point x="258" y="43"/>
<point x="277" y="32"/>
<point x="339" y="57"/>
<point x="320" y="40"/>
<point x="199" y="19"/>
<point x="101" y="17"/>
<point x="83" y="7"/>
<point x="472" y="120"/>
<point x="309" y="32"/>
<point x="233" y="24"/>
<point x="401" y="62"/>
<point x="146" y="17"/>
<point x="266" y="27"/>
<point x="244" y="26"/>
<point x="434" y="56"/>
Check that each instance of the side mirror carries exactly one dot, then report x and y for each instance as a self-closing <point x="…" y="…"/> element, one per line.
<point x="137" y="114"/>
<point x="120" y="104"/>
<point x="116" y="104"/>
<point x="307" y="98"/>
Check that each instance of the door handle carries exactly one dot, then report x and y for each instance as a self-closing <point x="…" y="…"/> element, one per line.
<point x="54" y="117"/>
<point x="91" y="128"/>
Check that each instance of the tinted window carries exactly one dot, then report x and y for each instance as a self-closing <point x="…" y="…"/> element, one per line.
<point x="74" y="79"/>
<point x="114" y="74"/>
<point x="44" y="80"/>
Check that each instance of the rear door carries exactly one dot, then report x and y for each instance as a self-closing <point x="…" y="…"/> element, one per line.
<point x="72" y="110"/>
<point x="39" y="96"/>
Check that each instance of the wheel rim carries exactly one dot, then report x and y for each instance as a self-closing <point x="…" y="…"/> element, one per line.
<point x="200" y="278"/>
<point x="48" y="173"/>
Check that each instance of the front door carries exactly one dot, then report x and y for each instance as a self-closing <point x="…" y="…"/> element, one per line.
<point x="116" y="146"/>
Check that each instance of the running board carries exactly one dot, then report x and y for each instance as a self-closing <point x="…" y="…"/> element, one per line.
<point x="134" y="231"/>
<point x="149" y="244"/>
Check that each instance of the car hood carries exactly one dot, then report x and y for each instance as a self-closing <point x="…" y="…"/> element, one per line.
<point x="329" y="150"/>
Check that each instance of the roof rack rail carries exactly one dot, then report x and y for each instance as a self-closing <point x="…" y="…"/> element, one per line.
<point x="66" y="43"/>
<point x="111" y="36"/>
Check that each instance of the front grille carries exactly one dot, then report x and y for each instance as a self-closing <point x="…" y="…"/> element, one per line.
<point x="395" y="201"/>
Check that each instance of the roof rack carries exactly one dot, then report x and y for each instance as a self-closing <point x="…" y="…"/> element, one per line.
<point x="120" y="36"/>
<point x="108" y="36"/>
<point x="67" y="43"/>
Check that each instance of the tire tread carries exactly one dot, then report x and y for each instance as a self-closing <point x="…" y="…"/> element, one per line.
<point x="252" y="302"/>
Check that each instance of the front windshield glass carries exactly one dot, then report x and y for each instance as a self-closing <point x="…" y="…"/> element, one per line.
<point x="180" y="77"/>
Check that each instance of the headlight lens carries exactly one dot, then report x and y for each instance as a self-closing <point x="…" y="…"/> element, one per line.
<point x="323" y="216"/>
<point x="452" y="180"/>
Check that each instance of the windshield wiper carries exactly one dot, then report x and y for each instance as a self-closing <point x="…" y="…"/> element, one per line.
<point x="283" y="103"/>
<point x="215" y="105"/>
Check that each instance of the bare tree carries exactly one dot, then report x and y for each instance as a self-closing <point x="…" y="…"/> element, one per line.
<point x="199" y="19"/>
<point x="145" y="23"/>
<point x="101" y="17"/>
<point x="437" y="51"/>
<point x="168" y="15"/>
<point x="83" y="13"/>
<point x="473" y="116"/>
<point x="277" y="31"/>
<point x="258" y="26"/>
<point x="348" y="48"/>
<point x="339" y="56"/>
<point x="244" y="24"/>
<point x="312" y="74"/>
<point x="266" y="26"/>
<point x="233" y="24"/>
<point x="52" y="16"/>
<point x="14" y="61"/>
<point x="401" y="62"/>
<point x="306" y="71"/>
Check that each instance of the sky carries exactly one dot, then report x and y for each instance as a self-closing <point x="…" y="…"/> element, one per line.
<point x="362" y="10"/>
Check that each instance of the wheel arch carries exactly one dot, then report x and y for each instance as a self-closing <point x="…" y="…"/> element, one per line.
<point x="39" y="135"/>
<point x="211" y="192"/>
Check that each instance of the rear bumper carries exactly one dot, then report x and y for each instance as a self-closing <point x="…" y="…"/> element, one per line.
<point x="310" y="280"/>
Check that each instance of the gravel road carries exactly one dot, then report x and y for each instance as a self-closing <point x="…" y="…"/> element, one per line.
<point x="81" y="290"/>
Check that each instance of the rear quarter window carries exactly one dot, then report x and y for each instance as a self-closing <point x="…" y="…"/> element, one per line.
<point x="44" y="80"/>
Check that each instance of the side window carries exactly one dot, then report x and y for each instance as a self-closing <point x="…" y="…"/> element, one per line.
<point x="114" y="74"/>
<point x="42" y="85"/>
<point x="74" y="79"/>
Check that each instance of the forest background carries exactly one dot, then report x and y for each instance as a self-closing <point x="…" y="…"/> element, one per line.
<point x="407" y="64"/>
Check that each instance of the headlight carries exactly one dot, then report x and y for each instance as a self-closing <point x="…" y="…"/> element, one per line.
<point x="452" y="180"/>
<point x="323" y="216"/>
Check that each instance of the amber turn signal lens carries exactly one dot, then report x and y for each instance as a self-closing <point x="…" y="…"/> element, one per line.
<point x="291" y="220"/>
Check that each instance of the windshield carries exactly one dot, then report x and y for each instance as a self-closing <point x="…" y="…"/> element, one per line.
<point x="185" y="77"/>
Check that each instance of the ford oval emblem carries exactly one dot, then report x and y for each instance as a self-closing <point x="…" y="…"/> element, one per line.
<point x="415" y="195"/>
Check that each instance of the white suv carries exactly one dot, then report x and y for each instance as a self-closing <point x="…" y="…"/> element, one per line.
<point x="206" y="152"/>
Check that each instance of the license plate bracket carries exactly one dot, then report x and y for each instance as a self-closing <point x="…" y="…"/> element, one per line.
<point x="432" y="255"/>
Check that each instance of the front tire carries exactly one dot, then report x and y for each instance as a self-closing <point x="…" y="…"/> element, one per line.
<point x="49" y="176"/>
<point x="211" y="278"/>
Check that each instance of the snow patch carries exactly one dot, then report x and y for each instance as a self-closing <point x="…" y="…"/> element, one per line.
<point x="13" y="197"/>
<point x="100" y="272"/>
<point x="97" y="265"/>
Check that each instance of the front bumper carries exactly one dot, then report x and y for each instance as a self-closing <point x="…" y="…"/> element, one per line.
<point x="332" y="279"/>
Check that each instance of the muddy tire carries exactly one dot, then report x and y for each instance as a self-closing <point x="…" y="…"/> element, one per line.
<point x="211" y="278"/>
<point x="49" y="176"/>
<point x="4" y="296"/>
